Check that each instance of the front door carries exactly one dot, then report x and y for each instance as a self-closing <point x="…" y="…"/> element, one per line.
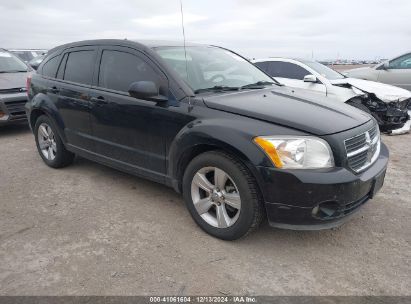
<point x="398" y="72"/>
<point x="126" y="130"/>
<point x="292" y="75"/>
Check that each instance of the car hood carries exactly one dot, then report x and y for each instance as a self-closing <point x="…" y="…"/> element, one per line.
<point x="13" y="80"/>
<point x="298" y="109"/>
<point x="384" y="92"/>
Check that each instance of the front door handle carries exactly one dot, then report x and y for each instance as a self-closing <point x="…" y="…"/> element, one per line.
<point x="100" y="100"/>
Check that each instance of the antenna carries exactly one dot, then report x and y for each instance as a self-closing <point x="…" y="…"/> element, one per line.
<point x="184" y="42"/>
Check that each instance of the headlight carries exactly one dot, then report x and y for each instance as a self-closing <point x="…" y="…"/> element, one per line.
<point x="296" y="152"/>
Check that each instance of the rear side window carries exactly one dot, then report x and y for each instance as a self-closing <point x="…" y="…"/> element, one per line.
<point x="286" y="70"/>
<point x="119" y="69"/>
<point x="50" y="67"/>
<point x="79" y="67"/>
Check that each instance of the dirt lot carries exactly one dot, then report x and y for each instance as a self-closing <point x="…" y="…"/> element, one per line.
<point x="90" y="230"/>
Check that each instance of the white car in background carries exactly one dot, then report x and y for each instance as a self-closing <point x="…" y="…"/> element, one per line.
<point x="386" y="103"/>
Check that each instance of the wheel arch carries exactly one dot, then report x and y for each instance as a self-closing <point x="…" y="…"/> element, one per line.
<point x="42" y="105"/>
<point x="193" y="143"/>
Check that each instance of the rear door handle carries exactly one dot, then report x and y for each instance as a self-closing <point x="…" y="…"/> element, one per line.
<point x="99" y="100"/>
<point x="54" y="90"/>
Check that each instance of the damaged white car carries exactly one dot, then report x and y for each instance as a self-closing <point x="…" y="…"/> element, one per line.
<point x="388" y="104"/>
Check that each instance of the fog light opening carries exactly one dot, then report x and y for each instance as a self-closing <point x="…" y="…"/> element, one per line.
<point x="326" y="210"/>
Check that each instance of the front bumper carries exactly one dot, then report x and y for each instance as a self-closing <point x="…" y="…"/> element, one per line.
<point x="12" y="108"/>
<point x="319" y="199"/>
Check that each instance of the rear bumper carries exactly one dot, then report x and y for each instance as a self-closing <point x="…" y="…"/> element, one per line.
<point x="12" y="108"/>
<point x="319" y="199"/>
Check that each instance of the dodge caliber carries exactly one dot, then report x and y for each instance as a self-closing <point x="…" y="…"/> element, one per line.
<point x="239" y="146"/>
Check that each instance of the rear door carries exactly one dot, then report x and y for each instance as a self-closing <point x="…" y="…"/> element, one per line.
<point x="126" y="130"/>
<point x="398" y="72"/>
<point x="74" y="79"/>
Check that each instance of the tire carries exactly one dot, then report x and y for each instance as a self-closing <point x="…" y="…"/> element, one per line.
<point x="47" y="138"/>
<point x="239" y="196"/>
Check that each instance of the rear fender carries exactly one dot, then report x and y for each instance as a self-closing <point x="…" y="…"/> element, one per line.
<point x="41" y="102"/>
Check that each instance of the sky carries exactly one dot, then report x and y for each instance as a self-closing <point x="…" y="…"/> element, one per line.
<point x="318" y="29"/>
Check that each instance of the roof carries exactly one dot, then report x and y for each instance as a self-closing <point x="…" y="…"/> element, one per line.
<point x="140" y="43"/>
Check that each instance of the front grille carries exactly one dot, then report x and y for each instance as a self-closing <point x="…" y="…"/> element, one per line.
<point x="362" y="150"/>
<point x="16" y="107"/>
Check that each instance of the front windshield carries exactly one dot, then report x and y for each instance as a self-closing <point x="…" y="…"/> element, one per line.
<point x="325" y="71"/>
<point x="209" y="67"/>
<point x="11" y="64"/>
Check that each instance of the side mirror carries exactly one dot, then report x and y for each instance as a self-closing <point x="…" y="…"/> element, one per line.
<point x="145" y="90"/>
<point x="310" y="78"/>
<point x="386" y="65"/>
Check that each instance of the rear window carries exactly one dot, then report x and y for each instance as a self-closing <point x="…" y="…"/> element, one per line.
<point x="79" y="67"/>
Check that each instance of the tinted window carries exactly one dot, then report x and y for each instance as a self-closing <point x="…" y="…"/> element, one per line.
<point x="50" y="67"/>
<point x="287" y="70"/>
<point x="79" y="67"/>
<point x="403" y="62"/>
<point x="262" y="65"/>
<point x="60" y="72"/>
<point x="119" y="69"/>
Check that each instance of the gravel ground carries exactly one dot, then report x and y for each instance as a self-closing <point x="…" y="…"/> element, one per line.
<point x="91" y="230"/>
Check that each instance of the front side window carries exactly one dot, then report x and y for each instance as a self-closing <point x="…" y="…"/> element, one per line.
<point x="203" y="67"/>
<point x="11" y="64"/>
<point x="286" y="70"/>
<point x="118" y="70"/>
<point x="79" y="67"/>
<point x="403" y="62"/>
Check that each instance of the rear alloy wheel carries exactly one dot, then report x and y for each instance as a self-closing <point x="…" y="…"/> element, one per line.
<point x="47" y="141"/>
<point x="49" y="144"/>
<point x="222" y="195"/>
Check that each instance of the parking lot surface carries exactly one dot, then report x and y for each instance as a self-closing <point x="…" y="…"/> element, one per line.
<point x="90" y="230"/>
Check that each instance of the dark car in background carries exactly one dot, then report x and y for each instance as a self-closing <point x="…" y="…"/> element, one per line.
<point x="205" y="121"/>
<point x="35" y="62"/>
<point x="13" y="92"/>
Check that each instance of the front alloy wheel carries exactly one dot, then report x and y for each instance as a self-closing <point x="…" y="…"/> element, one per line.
<point x="222" y="195"/>
<point x="216" y="197"/>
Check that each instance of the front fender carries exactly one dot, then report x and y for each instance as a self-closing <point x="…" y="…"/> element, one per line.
<point x="234" y="135"/>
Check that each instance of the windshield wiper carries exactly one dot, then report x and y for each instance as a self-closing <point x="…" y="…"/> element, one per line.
<point x="257" y="85"/>
<point x="217" y="88"/>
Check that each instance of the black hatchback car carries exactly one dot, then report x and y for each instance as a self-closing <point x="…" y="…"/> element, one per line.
<point x="205" y="121"/>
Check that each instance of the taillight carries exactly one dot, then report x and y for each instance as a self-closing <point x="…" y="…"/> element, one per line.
<point x="28" y="83"/>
